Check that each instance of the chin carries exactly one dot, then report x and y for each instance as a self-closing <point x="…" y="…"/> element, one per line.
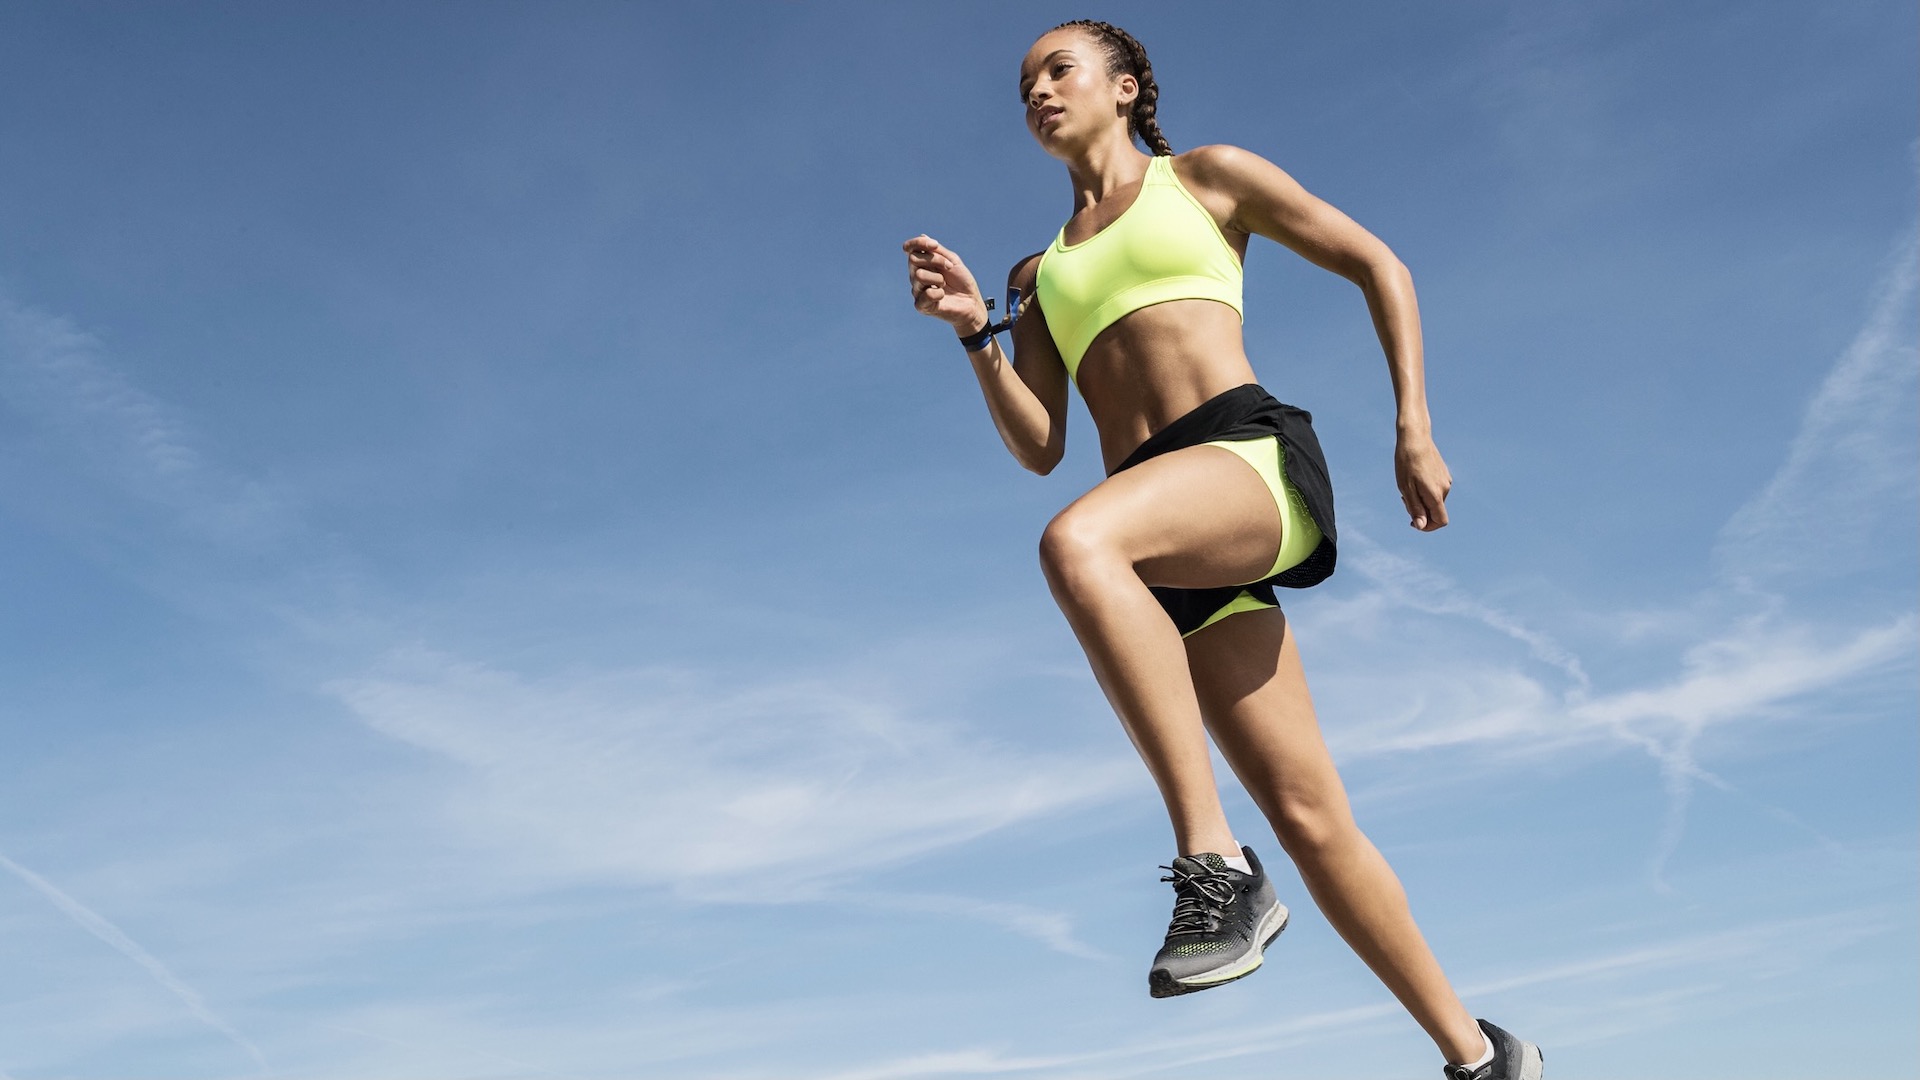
<point x="1052" y="143"/>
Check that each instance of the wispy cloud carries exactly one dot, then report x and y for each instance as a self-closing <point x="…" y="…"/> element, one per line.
<point x="440" y="1056"/>
<point x="1753" y="952"/>
<point x="99" y="927"/>
<point x="1745" y="673"/>
<point x="56" y="379"/>
<point x="54" y="371"/>
<point x="1743" y="676"/>
<point x="1409" y="583"/>
<point x="670" y="776"/>
<point x="498" y="852"/>
<point x="1851" y="467"/>
<point x="1130" y="1058"/>
<point x="1777" y="947"/>
<point x="1053" y="929"/>
<point x="648" y="775"/>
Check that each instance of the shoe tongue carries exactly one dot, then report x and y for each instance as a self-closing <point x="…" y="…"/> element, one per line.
<point x="1194" y="864"/>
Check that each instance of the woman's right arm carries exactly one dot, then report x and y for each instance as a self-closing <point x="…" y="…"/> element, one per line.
<point x="1027" y="397"/>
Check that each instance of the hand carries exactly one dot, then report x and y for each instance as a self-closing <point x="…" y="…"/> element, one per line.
<point x="1423" y="480"/>
<point x="943" y="287"/>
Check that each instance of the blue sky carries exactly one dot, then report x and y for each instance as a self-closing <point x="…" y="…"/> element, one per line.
<point x="500" y="583"/>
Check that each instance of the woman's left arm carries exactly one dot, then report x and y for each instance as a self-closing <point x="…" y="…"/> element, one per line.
<point x="1259" y="198"/>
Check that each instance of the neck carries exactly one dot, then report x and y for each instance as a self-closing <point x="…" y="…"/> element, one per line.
<point x="1103" y="168"/>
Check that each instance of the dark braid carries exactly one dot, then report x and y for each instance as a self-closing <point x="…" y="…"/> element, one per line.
<point x="1125" y="56"/>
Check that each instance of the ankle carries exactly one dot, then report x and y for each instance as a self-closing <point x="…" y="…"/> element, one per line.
<point x="1471" y="1051"/>
<point x="1229" y="852"/>
<point x="1207" y="843"/>
<point x="1238" y="862"/>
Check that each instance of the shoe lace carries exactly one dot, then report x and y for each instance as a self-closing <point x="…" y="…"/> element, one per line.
<point x="1200" y="898"/>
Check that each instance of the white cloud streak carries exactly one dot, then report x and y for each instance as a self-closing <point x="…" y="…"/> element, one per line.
<point x="99" y="927"/>
<point x="639" y="776"/>
<point x="53" y="376"/>
<point x="442" y="1053"/>
<point x="1852" y="464"/>
<point x="1051" y="928"/>
<point x="668" y="777"/>
<point x="1848" y="467"/>
<point x="1412" y="584"/>
<point x="54" y="370"/>
<point x="1743" y="954"/>
<point x="682" y="779"/>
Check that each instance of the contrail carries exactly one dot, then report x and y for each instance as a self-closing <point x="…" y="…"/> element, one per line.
<point x="109" y="933"/>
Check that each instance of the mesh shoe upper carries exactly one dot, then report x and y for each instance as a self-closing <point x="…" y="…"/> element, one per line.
<point x="1221" y="918"/>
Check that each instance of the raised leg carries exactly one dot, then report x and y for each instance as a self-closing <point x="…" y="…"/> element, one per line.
<point x="1194" y="518"/>
<point x="1253" y="694"/>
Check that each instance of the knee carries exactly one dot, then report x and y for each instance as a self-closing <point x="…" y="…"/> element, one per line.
<point x="1074" y="547"/>
<point x="1308" y="829"/>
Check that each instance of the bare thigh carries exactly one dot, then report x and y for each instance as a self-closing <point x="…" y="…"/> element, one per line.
<point x="1195" y="518"/>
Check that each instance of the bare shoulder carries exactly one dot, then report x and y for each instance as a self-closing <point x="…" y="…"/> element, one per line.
<point x="1225" y="168"/>
<point x="1256" y="196"/>
<point x="1223" y="178"/>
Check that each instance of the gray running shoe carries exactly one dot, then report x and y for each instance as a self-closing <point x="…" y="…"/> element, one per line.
<point x="1222" y="922"/>
<point x="1513" y="1059"/>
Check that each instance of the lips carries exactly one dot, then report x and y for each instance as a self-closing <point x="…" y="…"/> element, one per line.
<point x="1047" y="114"/>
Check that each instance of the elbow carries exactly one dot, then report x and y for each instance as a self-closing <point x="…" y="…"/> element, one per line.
<point x="1042" y="462"/>
<point x="1385" y="270"/>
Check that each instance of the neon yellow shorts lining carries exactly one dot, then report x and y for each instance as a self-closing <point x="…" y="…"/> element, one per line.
<point x="1299" y="533"/>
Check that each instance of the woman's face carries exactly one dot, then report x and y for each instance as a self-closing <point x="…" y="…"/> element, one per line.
<point x="1070" y="98"/>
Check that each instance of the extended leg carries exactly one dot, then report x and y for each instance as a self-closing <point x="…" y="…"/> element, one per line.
<point x="1252" y="691"/>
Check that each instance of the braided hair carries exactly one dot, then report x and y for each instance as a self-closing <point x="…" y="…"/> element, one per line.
<point x="1126" y="56"/>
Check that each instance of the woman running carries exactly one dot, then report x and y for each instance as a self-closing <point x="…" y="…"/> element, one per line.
<point x="1215" y="494"/>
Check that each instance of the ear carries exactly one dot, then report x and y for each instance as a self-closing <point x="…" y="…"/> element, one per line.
<point x="1129" y="89"/>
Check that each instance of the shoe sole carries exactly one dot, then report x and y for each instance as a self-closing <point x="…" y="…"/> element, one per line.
<point x="1162" y="984"/>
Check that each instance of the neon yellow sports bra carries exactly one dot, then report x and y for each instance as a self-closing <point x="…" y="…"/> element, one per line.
<point x="1163" y="247"/>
